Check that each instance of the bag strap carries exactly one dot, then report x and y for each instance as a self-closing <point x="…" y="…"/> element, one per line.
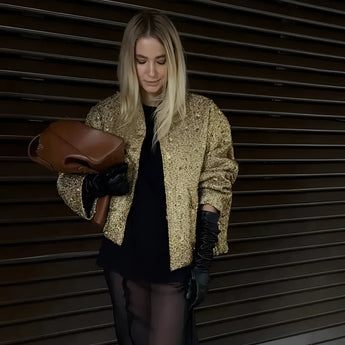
<point x="32" y="153"/>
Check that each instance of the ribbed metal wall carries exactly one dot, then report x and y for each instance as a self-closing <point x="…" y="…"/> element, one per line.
<point x="276" y="68"/>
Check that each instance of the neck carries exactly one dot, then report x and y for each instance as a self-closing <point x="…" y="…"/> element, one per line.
<point x="149" y="99"/>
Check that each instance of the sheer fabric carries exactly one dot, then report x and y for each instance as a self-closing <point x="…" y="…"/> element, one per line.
<point x="148" y="299"/>
<point x="150" y="313"/>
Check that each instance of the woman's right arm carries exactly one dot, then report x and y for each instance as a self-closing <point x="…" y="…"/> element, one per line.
<point x="69" y="186"/>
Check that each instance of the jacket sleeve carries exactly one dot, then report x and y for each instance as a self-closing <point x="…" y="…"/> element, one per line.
<point x="219" y="172"/>
<point x="69" y="186"/>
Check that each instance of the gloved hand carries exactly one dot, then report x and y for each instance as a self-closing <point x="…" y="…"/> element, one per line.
<point x="112" y="181"/>
<point x="206" y="238"/>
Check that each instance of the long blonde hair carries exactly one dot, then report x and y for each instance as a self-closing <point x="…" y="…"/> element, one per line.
<point x="172" y="98"/>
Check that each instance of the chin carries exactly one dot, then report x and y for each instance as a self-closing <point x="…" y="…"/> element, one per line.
<point x="154" y="92"/>
<point x="153" y="89"/>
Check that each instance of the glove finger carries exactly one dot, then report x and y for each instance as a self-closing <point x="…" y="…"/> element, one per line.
<point x="198" y="300"/>
<point x="115" y="170"/>
<point x="189" y="293"/>
<point x="193" y="303"/>
<point x="194" y="295"/>
<point x="116" y="179"/>
<point x="202" y="292"/>
<point x="197" y="296"/>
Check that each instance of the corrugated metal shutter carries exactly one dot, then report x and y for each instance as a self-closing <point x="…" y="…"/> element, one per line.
<point x="276" y="70"/>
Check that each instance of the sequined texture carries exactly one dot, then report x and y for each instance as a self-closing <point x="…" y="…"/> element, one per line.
<point x="198" y="164"/>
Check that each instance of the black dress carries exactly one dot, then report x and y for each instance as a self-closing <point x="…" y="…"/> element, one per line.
<point x="148" y="298"/>
<point x="144" y="254"/>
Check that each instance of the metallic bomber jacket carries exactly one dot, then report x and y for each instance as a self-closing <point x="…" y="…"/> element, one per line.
<point x="198" y="165"/>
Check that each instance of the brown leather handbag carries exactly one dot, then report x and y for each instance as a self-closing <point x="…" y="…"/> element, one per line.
<point x="76" y="148"/>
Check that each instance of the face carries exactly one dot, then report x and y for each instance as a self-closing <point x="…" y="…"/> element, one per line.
<point x="151" y="66"/>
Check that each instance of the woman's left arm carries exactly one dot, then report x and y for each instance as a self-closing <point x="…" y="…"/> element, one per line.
<point x="215" y="190"/>
<point x="220" y="169"/>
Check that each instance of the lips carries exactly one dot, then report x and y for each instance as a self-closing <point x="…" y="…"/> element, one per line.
<point x="152" y="82"/>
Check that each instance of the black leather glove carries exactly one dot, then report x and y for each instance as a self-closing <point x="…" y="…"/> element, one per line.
<point x="206" y="238"/>
<point x="112" y="181"/>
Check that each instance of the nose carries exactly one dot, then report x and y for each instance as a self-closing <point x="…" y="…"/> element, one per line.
<point x="151" y="69"/>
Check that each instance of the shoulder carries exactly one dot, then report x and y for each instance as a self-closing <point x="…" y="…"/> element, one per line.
<point x="108" y="104"/>
<point x="207" y="111"/>
<point x="204" y="107"/>
<point x="103" y="111"/>
<point x="195" y="102"/>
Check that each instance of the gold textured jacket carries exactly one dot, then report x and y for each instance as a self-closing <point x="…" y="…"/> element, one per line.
<point x="198" y="165"/>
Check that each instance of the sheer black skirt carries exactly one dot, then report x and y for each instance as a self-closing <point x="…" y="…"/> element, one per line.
<point x="150" y="313"/>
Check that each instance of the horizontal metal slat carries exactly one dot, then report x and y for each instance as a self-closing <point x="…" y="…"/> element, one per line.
<point x="31" y="234"/>
<point x="308" y="298"/>
<point x="286" y="123"/>
<point x="274" y="330"/>
<point x="58" y="324"/>
<point x="287" y="220"/>
<point x="52" y="289"/>
<point x="241" y="60"/>
<point x="29" y="191"/>
<point x="247" y="199"/>
<point x="285" y="114"/>
<point x="269" y="280"/>
<point x="47" y="267"/>
<point x="277" y="44"/>
<point x="252" y="261"/>
<point x="52" y="247"/>
<point x="35" y="209"/>
<point x="336" y="7"/>
<point x="39" y="83"/>
<point x="98" y="332"/>
<point x="75" y="49"/>
<point x="311" y="224"/>
<point x="251" y="135"/>
<point x="316" y="336"/>
<point x="274" y="104"/>
<point x="241" y="244"/>
<point x="286" y="13"/>
<point x="248" y="167"/>
<point x="282" y="186"/>
<point x="35" y="109"/>
<point x="235" y="13"/>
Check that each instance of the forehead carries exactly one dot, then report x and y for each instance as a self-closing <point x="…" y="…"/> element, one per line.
<point x="149" y="46"/>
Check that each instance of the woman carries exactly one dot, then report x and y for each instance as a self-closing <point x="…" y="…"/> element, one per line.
<point x="170" y="200"/>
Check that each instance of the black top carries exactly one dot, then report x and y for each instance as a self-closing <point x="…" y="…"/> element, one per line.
<point x="144" y="254"/>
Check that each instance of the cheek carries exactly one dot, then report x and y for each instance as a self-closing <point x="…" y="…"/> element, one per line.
<point x="164" y="73"/>
<point x="140" y="75"/>
<point x="139" y="71"/>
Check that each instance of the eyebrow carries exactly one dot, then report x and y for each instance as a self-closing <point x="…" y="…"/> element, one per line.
<point x="145" y="57"/>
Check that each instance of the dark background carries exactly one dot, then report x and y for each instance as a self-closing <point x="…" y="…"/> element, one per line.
<point x="276" y="69"/>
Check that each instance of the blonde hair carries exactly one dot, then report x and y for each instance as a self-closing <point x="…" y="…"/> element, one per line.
<point x="172" y="98"/>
